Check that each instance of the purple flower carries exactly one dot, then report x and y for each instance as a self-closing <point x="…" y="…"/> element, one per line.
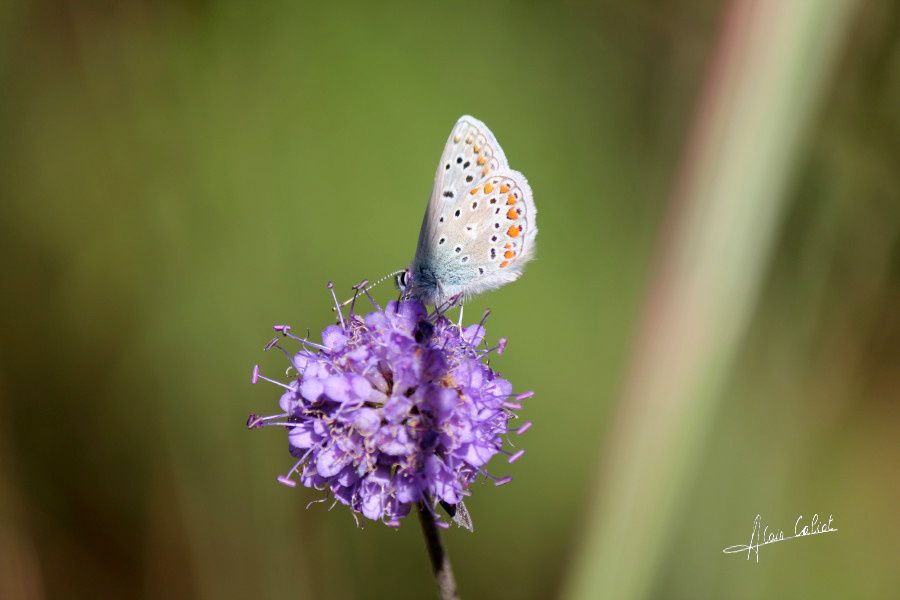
<point x="393" y="408"/>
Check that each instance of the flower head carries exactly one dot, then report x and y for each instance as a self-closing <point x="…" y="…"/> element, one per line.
<point x="393" y="408"/>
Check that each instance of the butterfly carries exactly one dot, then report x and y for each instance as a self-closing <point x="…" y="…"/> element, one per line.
<point x="480" y="225"/>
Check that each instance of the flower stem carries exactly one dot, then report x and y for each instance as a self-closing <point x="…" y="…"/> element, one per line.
<point x="440" y="562"/>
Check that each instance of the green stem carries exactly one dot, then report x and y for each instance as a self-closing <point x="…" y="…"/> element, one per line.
<point x="440" y="562"/>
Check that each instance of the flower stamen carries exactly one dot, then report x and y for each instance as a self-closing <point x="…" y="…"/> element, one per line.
<point x="337" y="306"/>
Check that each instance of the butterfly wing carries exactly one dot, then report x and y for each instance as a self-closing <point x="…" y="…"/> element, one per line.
<point x="479" y="228"/>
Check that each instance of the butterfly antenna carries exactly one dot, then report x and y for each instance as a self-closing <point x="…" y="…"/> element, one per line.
<point x="364" y="287"/>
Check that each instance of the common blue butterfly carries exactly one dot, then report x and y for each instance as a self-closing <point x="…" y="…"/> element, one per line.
<point x="479" y="228"/>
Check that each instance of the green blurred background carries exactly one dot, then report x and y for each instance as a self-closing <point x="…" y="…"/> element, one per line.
<point x="175" y="177"/>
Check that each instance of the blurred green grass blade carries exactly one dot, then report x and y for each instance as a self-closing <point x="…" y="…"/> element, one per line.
<point x="767" y="79"/>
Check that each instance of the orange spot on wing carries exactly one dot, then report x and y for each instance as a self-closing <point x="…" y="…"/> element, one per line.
<point x="488" y="188"/>
<point x="504" y="188"/>
<point x="485" y="170"/>
<point x="481" y="160"/>
<point x="505" y="263"/>
<point x="513" y="231"/>
<point x="509" y="254"/>
<point x="511" y="199"/>
<point x="473" y="191"/>
<point x="507" y="245"/>
<point x="476" y="148"/>
<point x="512" y="214"/>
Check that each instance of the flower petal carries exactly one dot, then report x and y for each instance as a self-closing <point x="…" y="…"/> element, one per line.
<point x="367" y="421"/>
<point x="334" y="338"/>
<point x="337" y="388"/>
<point x="329" y="462"/>
<point x="311" y="389"/>
<point x="302" y="435"/>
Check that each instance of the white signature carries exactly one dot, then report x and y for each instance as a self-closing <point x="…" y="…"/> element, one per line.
<point x="761" y="536"/>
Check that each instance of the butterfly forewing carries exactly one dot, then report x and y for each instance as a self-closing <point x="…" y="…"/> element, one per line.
<point x="470" y="154"/>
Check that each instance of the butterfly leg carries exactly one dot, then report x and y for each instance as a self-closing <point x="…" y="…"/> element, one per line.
<point x="460" y="316"/>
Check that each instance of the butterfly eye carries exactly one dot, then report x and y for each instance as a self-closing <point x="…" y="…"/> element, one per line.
<point x="403" y="281"/>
